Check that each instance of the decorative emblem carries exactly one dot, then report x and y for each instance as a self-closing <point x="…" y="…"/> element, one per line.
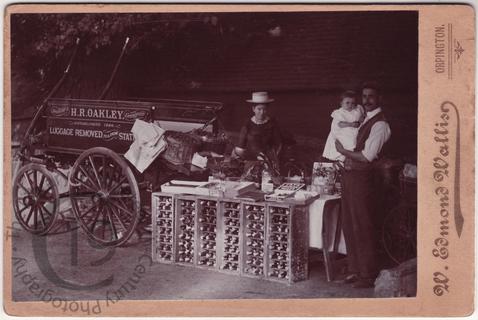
<point x="59" y="110"/>
<point x="458" y="50"/>
<point x="109" y="135"/>
<point x="136" y="114"/>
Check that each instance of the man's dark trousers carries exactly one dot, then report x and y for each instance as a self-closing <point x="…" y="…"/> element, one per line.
<point x="359" y="203"/>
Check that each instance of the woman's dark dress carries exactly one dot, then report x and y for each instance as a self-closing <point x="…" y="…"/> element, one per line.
<point x="256" y="138"/>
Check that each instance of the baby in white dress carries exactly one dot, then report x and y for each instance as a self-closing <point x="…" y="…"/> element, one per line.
<point x="345" y="124"/>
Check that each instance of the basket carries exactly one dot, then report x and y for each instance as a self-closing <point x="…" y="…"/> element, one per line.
<point x="180" y="147"/>
<point x="216" y="145"/>
<point x="211" y="142"/>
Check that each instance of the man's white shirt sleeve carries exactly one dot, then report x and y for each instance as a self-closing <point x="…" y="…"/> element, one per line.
<point x="379" y="134"/>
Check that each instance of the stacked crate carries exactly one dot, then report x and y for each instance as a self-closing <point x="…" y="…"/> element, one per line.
<point x="185" y="236"/>
<point x="262" y="240"/>
<point x="254" y="245"/>
<point x="279" y="242"/>
<point x="163" y="226"/>
<point x="230" y="223"/>
<point x="207" y="232"/>
<point x="288" y="242"/>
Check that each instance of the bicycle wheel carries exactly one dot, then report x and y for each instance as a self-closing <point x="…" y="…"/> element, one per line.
<point x="399" y="233"/>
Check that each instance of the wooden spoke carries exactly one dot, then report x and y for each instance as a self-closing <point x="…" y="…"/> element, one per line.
<point x="24" y="208"/>
<point x="125" y="205"/>
<point x="26" y="190"/>
<point x="42" y="190"/>
<point x="40" y="212"/>
<point x="103" y="171"/>
<point x="88" y="211"/>
<point x="29" y="182"/>
<point x="92" y="226"/>
<point x="94" y="171"/>
<point x="86" y="174"/>
<point x="114" y="182"/>
<point x="47" y="211"/>
<point x="118" y="185"/>
<point x="116" y="174"/>
<point x="42" y="180"/>
<point x="121" y="208"/>
<point x="46" y="198"/>
<point x="35" y="181"/>
<point x="113" y="227"/>
<point x="128" y="196"/>
<point x="46" y="191"/>
<point x="85" y="185"/>
<point x="118" y="218"/>
<point x="29" y="215"/>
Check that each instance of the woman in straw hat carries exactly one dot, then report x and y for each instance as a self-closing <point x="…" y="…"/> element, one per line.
<point x="260" y="134"/>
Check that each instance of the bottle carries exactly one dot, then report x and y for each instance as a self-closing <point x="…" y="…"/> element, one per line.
<point x="273" y="273"/>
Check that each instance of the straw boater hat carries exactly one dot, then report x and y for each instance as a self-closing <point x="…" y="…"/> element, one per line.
<point x="260" y="97"/>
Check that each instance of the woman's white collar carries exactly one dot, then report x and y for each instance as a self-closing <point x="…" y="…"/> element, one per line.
<point x="253" y="119"/>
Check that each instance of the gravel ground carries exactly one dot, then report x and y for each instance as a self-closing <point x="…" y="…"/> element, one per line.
<point x="70" y="267"/>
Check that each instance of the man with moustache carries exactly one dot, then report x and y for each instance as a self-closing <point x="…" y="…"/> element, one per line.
<point x="361" y="192"/>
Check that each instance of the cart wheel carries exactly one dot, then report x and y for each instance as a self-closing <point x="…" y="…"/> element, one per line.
<point x="104" y="196"/>
<point x="35" y="198"/>
<point x="399" y="233"/>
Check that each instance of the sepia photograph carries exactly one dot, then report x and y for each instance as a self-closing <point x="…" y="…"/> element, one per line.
<point x="213" y="155"/>
<point x="247" y="155"/>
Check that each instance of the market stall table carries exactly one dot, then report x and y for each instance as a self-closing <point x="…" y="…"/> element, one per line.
<point x="325" y="230"/>
<point x="312" y="222"/>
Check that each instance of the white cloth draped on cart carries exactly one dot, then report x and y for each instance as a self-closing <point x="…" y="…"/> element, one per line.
<point x="148" y="144"/>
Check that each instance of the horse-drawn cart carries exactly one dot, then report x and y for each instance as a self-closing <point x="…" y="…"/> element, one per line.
<point x="87" y="139"/>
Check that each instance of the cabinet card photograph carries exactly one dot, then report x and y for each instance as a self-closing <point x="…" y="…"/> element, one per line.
<point x="239" y="160"/>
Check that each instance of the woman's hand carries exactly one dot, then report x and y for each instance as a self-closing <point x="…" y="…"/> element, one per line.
<point x="237" y="153"/>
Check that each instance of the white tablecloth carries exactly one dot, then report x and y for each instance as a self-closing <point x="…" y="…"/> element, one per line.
<point x="316" y="210"/>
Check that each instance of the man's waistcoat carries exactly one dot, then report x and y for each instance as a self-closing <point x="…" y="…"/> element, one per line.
<point x="362" y="136"/>
<point x="364" y="130"/>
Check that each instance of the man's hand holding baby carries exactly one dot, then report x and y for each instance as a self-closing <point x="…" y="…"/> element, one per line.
<point x="344" y="124"/>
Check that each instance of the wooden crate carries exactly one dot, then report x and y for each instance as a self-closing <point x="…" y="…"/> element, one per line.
<point x="162" y="207"/>
<point x="185" y="230"/>
<point x="254" y="245"/>
<point x="231" y="231"/>
<point x="287" y="242"/>
<point x="267" y="240"/>
<point x="207" y="230"/>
